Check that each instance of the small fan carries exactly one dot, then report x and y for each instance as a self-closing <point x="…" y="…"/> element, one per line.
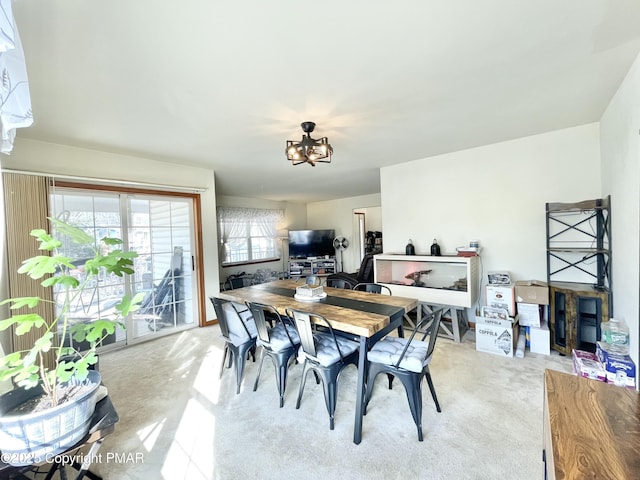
<point x="340" y="244"/>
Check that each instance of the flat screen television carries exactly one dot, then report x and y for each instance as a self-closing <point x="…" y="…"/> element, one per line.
<point x="311" y="243"/>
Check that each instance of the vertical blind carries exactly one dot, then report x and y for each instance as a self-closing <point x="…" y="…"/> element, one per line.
<point x="26" y="199"/>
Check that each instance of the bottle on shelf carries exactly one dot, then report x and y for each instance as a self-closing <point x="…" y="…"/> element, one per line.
<point x="410" y="249"/>
<point x="615" y="335"/>
<point x="435" y="248"/>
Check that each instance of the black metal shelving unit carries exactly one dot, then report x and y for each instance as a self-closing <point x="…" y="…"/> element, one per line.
<point x="583" y="230"/>
<point x="579" y="271"/>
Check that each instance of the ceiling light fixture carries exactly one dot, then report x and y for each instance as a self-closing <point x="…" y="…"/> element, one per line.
<point x="309" y="150"/>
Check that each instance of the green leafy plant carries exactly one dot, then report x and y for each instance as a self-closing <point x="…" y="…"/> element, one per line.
<point x="27" y="368"/>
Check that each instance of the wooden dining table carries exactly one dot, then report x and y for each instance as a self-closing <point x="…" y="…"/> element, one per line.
<point x="366" y="317"/>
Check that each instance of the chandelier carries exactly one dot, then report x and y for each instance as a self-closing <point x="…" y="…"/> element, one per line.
<point x="309" y="150"/>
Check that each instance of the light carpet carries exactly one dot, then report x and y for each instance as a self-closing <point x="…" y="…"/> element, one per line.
<point x="179" y="421"/>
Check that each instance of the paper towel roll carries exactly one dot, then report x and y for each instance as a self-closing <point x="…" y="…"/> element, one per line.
<point x="521" y="343"/>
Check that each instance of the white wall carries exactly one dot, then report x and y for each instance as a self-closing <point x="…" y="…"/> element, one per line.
<point x="620" y="151"/>
<point x="51" y="158"/>
<point x="295" y="218"/>
<point x="495" y="194"/>
<point x="338" y="215"/>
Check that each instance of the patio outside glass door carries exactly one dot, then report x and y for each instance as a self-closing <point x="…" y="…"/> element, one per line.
<point x="160" y="230"/>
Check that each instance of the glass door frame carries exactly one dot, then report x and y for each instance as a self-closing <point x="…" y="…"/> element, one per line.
<point x="197" y="257"/>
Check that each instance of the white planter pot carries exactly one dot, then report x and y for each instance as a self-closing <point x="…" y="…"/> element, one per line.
<point x="36" y="437"/>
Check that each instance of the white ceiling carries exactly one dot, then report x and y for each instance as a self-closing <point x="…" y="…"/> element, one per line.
<point x="225" y="84"/>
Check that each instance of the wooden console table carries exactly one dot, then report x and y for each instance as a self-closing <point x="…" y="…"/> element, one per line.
<point x="591" y="429"/>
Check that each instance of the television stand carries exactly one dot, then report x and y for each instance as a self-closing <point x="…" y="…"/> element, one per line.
<point x="318" y="266"/>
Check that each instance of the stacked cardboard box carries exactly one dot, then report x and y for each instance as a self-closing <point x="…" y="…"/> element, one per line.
<point x="532" y="306"/>
<point x="496" y="332"/>
<point x="496" y="327"/>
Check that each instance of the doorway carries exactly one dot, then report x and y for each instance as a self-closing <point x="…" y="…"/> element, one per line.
<point x="367" y="232"/>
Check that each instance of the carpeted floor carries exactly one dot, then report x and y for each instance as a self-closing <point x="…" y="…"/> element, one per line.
<point x="179" y="421"/>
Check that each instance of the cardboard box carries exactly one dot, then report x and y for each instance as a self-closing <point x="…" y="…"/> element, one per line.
<point x="501" y="296"/>
<point x="529" y="314"/>
<point x="495" y="336"/>
<point x="532" y="291"/>
<point x="586" y="364"/>
<point x="620" y="368"/>
<point x="539" y="339"/>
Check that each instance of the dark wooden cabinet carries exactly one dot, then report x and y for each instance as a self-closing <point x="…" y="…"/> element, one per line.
<point x="577" y="312"/>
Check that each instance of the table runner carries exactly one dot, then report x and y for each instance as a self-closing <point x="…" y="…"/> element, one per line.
<point x="352" y="304"/>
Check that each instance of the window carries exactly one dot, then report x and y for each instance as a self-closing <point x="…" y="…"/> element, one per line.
<point x="248" y="234"/>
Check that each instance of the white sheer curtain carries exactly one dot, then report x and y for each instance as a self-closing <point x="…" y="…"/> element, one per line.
<point x="238" y="226"/>
<point x="15" y="101"/>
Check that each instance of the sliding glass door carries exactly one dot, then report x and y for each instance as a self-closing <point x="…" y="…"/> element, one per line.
<point x="160" y="229"/>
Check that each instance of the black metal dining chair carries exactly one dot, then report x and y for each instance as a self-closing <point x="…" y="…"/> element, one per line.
<point x="279" y="339"/>
<point x="323" y="353"/>
<point x="373" y="288"/>
<point x="338" y="283"/>
<point x="407" y="359"/>
<point x="239" y="333"/>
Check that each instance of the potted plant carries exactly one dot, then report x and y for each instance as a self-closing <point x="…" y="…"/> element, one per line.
<point x="52" y="405"/>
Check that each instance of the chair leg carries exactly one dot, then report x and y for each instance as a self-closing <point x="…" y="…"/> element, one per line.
<point x="281" y="379"/>
<point x="427" y="374"/>
<point x="224" y="359"/>
<point x="303" y="380"/>
<point x="255" y="385"/>
<point x="414" y="395"/>
<point x="330" y="389"/>
<point x="281" y="363"/>
<point x="372" y="373"/>
<point x="241" y="360"/>
<point x="230" y="357"/>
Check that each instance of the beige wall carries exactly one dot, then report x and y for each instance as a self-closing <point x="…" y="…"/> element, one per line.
<point x="495" y="194"/>
<point x="620" y="151"/>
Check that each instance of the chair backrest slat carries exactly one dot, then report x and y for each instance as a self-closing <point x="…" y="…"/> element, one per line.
<point x="259" y="311"/>
<point x="429" y="326"/>
<point x="304" y="323"/>
<point x="223" y="321"/>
